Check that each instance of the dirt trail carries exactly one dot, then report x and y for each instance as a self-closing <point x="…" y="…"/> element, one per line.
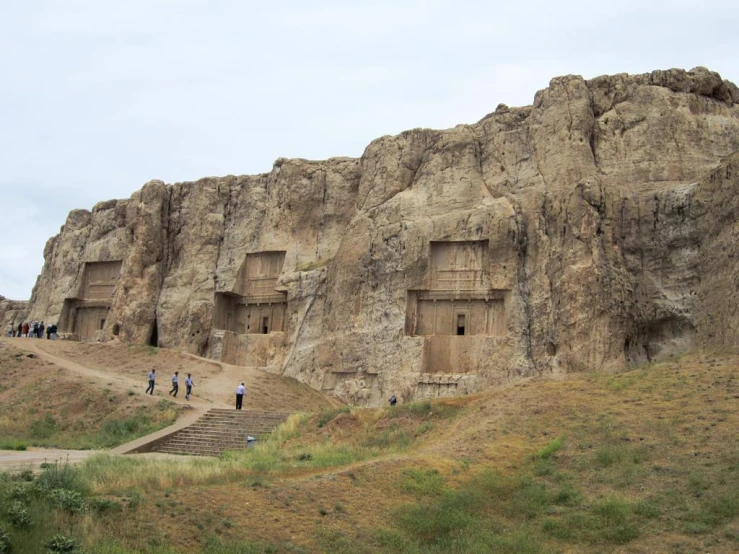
<point x="34" y="457"/>
<point x="124" y="368"/>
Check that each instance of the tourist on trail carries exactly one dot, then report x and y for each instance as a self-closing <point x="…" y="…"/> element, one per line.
<point x="152" y="380"/>
<point x="34" y="331"/>
<point x="48" y="332"/>
<point x="188" y="386"/>
<point x="41" y="330"/>
<point x="240" y="391"/>
<point x="25" y="329"/>
<point x="393" y="400"/>
<point x="53" y="331"/>
<point x="175" y="384"/>
<point x="10" y="329"/>
<point x="20" y="330"/>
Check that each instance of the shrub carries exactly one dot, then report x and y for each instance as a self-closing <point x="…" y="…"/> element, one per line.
<point x="43" y="428"/>
<point x="18" y="514"/>
<point x="327" y="416"/>
<point x="549" y="450"/>
<point x="422" y="482"/>
<point x="5" y="544"/>
<point x="19" y="491"/>
<point x="60" y="543"/>
<point x="101" y="505"/>
<point x="61" y="475"/>
<point x="70" y="501"/>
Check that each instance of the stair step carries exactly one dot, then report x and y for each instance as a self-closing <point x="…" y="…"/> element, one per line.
<point x="219" y="430"/>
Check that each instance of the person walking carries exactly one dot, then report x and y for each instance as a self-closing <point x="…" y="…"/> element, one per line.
<point x="240" y="392"/>
<point x="152" y="381"/>
<point x="41" y="330"/>
<point x="188" y="386"/>
<point x="20" y="330"/>
<point x="175" y="384"/>
<point x="25" y="329"/>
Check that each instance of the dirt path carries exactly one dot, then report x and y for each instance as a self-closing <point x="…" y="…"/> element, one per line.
<point x="124" y="368"/>
<point x="34" y="457"/>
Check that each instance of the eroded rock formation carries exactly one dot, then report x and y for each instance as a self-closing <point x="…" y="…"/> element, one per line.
<point x="592" y="230"/>
<point x="12" y="312"/>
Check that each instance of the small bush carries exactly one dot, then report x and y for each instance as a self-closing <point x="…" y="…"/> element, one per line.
<point x="19" y="491"/>
<point x="61" y="475"/>
<point x="60" y="543"/>
<point x="18" y="514"/>
<point x="101" y="505"/>
<point x="5" y="543"/>
<point x="71" y="501"/>
<point x="550" y="449"/>
<point x="43" y="428"/>
<point x="13" y="444"/>
<point x="422" y="482"/>
<point x="325" y="417"/>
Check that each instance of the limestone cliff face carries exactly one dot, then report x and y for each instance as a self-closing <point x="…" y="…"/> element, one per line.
<point x="589" y="231"/>
<point x="12" y="312"/>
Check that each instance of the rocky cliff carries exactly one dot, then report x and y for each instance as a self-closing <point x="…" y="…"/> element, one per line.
<point x="592" y="230"/>
<point x="12" y="312"/>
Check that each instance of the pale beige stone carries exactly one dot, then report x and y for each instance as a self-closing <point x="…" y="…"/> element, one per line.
<point x="604" y="217"/>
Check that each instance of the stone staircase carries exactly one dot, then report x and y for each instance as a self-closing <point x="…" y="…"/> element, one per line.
<point x="220" y="430"/>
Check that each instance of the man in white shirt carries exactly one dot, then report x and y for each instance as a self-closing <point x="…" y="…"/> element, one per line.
<point x="152" y="379"/>
<point x="175" y="384"/>
<point x="240" y="392"/>
<point x="188" y="386"/>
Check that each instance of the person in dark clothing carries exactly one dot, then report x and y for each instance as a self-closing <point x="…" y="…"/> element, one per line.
<point x="40" y="330"/>
<point x="393" y="400"/>
<point x="20" y="330"/>
<point x="175" y="384"/>
<point x="48" y="332"/>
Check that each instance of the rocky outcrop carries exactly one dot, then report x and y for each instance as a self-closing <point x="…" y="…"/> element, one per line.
<point x="589" y="231"/>
<point x="12" y="312"/>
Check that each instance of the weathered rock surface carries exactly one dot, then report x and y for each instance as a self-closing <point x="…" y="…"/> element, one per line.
<point x="595" y="229"/>
<point x="12" y="312"/>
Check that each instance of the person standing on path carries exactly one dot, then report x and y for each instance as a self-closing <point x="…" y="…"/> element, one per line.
<point x="188" y="386"/>
<point x="240" y="392"/>
<point x="175" y="384"/>
<point x="152" y="380"/>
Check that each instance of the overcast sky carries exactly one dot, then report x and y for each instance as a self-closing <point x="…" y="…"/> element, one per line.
<point x="97" y="97"/>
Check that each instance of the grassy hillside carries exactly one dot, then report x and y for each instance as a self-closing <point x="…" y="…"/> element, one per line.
<point x="44" y="405"/>
<point x="645" y="461"/>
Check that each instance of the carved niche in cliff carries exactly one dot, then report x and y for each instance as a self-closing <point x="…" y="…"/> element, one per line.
<point x="455" y="308"/>
<point x="84" y="315"/>
<point x="254" y="306"/>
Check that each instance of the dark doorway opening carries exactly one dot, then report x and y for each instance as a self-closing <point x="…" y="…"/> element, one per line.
<point x="102" y="324"/>
<point x="154" y="338"/>
<point x="265" y="325"/>
<point x="460" y="324"/>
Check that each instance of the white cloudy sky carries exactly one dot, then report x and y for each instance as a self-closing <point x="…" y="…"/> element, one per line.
<point x="99" y="96"/>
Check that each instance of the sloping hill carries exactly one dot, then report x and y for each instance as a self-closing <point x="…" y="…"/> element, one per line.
<point x="644" y="461"/>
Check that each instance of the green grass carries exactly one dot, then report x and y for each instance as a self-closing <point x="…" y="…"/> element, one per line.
<point x="46" y="431"/>
<point x="13" y="444"/>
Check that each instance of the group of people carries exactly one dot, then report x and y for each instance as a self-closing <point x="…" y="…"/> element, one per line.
<point x="189" y="383"/>
<point x="175" y="384"/>
<point x="34" y="329"/>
